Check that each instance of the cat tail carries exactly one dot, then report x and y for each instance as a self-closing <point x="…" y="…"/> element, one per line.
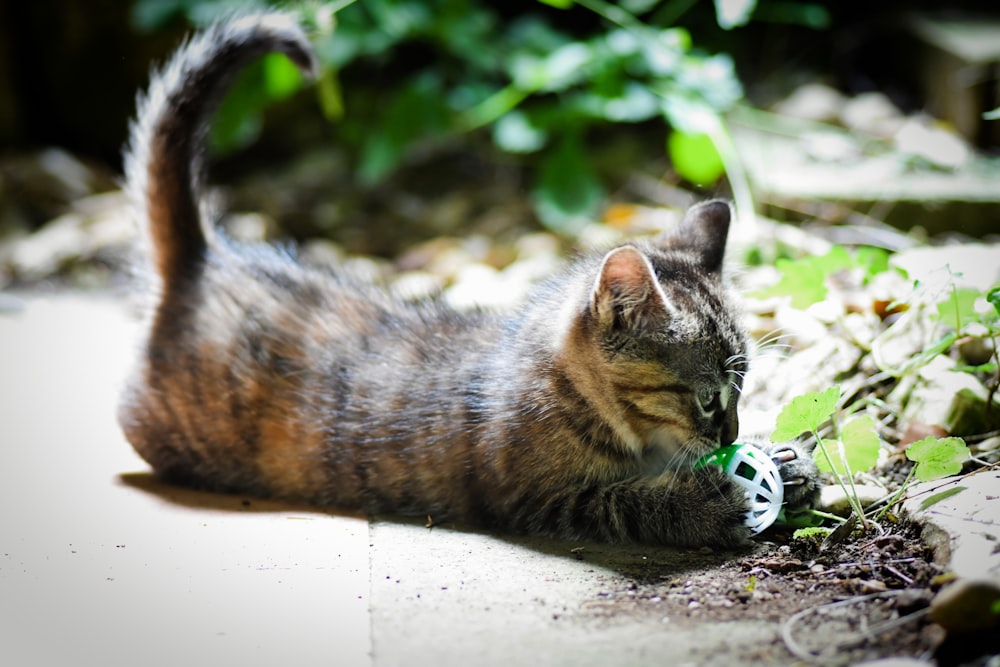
<point x="163" y="165"/>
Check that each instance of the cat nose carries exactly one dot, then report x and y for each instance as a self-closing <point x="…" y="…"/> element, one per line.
<point x="730" y="427"/>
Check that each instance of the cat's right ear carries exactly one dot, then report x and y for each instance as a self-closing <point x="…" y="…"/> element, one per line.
<point x="626" y="294"/>
<point x="703" y="233"/>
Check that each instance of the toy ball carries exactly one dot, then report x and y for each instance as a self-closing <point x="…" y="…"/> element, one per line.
<point x="757" y="474"/>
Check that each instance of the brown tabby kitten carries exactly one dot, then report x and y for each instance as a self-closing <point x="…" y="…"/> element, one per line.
<point x="578" y="416"/>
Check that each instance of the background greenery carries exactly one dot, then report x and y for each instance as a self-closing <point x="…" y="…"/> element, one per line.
<point x="570" y="95"/>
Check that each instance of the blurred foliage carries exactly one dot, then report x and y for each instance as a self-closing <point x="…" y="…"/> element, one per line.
<point x="537" y="81"/>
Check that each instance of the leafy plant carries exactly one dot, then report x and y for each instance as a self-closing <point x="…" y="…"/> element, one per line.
<point x="857" y="448"/>
<point x="936" y="321"/>
<point x="806" y="413"/>
<point x="858" y="445"/>
<point x="539" y="88"/>
<point x="805" y="280"/>
<point x="934" y="458"/>
<point x="937" y="457"/>
<point x="240" y="118"/>
<point x="817" y="533"/>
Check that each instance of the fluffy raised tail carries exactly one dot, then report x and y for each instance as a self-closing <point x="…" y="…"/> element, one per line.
<point x="163" y="162"/>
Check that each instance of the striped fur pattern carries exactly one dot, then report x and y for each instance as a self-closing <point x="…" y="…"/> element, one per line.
<point x="578" y="416"/>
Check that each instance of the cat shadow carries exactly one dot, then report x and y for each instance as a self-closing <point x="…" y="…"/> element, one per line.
<point x="639" y="563"/>
<point x="189" y="498"/>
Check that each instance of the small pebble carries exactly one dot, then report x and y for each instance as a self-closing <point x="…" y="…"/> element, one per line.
<point x="967" y="605"/>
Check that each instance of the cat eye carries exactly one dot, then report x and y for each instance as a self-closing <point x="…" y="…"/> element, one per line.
<point x="709" y="400"/>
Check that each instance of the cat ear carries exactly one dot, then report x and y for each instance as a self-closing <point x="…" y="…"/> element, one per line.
<point x="627" y="293"/>
<point x="703" y="233"/>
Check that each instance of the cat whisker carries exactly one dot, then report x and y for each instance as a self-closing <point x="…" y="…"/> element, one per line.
<point x="774" y="340"/>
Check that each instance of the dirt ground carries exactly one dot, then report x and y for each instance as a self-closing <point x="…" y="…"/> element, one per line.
<point x="861" y="599"/>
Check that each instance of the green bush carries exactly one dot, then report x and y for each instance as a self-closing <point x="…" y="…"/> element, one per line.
<point x="539" y="80"/>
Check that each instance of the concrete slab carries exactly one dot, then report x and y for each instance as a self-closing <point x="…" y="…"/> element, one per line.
<point x="99" y="565"/>
<point x="448" y="597"/>
<point x="102" y="565"/>
<point x="964" y="525"/>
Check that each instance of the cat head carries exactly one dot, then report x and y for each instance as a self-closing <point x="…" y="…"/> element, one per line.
<point x="661" y="342"/>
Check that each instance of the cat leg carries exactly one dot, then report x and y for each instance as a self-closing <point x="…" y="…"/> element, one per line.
<point x="690" y="508"/>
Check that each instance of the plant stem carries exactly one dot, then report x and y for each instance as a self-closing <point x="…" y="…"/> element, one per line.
<point x="996" y="380"/>
<point x="337" y="6"/>
<point x="954" y="298"/>
<point x="896" y="496"/>
<point x="493" y="107"/>
<point x="827" y="515"/>
<point x="613" y="13"/>
<point x="670" y="12"/>
<point x="852" y="496"/>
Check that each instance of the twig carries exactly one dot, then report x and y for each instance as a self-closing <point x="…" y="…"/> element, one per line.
<point x="871" y="632"/>
<point x="899" y="575"/>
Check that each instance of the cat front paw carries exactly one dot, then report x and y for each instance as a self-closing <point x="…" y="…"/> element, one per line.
<point x="719" y="509"/>
<point x="798" y="473"/>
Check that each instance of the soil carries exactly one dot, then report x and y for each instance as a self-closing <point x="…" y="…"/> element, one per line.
<point x="860" y="599"/>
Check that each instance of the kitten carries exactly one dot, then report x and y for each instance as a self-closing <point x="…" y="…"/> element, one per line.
<point x="578" y="416"/>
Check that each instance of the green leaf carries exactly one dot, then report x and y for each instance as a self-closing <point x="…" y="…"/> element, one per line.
<point x="555" y="71"/>
<point x="416" y="112"/>
<point x="993" y="296"/>
<point x="856" y="451"/>
<point x="937" y="457"/>
<point x="861" y="443"/>
<point x="733" y="13"/>
<point x="695" y="157"/>
<point x="803" y="518"/>
<point x="281" y="77"/>
<point x="558" y="4"/>
<point x="149" y="15"/>
<point x="805" y="413"/>
<point x="331" y="100"/>
<point x="686" y="113"/>
<point x="638" y="6"/>
<point x="567" y="192"/>
<point x="872" y="261"/>
<point x="631" y="104"/>
<point x="239" y="119"/>
<point x="515" y="133"/>
<point x="828" y="448"/>
<point x="938" y="497"/>
<point x="401" y="19"/>
<point x="806" y="14"/>
<point x="811" y="532"/>
<point x="993" y="114"/>
<point x="804" y="280"/>
<point x="958" y="308"/>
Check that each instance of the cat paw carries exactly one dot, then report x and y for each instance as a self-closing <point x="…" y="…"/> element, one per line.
<point x="720" y="509"/>
<point x="798" y="473"/>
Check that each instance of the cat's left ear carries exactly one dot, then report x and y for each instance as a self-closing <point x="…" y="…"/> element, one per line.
<point x="626" y="293"/>
<point x="703" y="233"/>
